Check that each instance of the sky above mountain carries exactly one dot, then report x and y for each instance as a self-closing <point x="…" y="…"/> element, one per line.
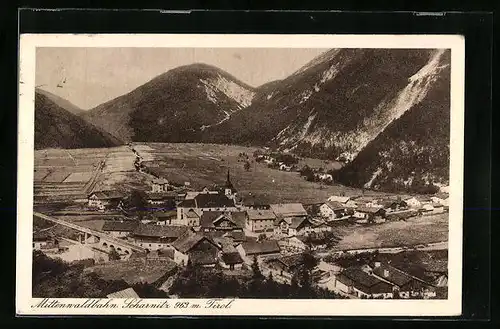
<point x="88" y="77"/>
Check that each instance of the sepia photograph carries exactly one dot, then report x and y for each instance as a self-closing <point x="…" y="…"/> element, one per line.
<point x="314" y="170"/>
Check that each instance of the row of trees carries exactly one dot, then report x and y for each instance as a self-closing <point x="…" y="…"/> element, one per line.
<point x="209" y="283"/>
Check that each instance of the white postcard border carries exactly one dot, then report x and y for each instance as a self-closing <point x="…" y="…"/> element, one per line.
<point x="261" y="307"/>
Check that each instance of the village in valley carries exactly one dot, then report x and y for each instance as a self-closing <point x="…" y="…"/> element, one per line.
<point x="149" y="226"/>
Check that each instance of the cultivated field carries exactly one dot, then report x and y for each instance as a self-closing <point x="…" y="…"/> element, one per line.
<point x="206" y="164"/>
<point x="69" y="175"/>
<point x="416" y="230"/>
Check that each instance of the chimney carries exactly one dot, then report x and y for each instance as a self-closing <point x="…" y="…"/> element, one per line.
<point x="386" y="273"/>
<point x="377" y="264"/>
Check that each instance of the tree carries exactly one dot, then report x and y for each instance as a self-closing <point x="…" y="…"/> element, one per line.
<point x="114" y="255"/>
<point x="247" y="166"/>
<point x="137" y="200"/>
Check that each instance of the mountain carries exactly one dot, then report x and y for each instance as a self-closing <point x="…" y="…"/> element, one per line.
<point x="412" y="153"/>
<point x="176" y="106"/>
<point x="61" y="102"/>
<point x="336" y="104"/>
<point x="56" y="127"/>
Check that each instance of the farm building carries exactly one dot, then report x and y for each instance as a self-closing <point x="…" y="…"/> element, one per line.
<point x="119" y="228"/>
<point x="231" y="261"/>
<point x="261" y="250"/>
<point x="166" y="217"/>
<point x="43" y="240"/>
<point x="154" y="237"/>
<point x="162" y="198"/>
<point x="393" y="205"/>
<point x="367" y="201"/>
<point x="291" y="226"/>
<point x="334" y="210"/>
<point x="345" y="200"/>
<point x="357" y="282"/>
<point x="105" y="199"/>
<point x="196" y="249"/>
<point x="406" y="285"/>
<point x="236" y="237"/>
<point x="222" y="221"/>
<point x="159" y="185"/>
<point x="283" y="268"/>
<point x="260" y="221"/>
<point x="413" y="202"/>
<point x="292" y="244"/>
<point x="368" y="214"/>
<point x="289" y="210"/>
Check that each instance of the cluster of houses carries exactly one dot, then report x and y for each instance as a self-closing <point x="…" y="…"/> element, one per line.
<point x="212" y="228"/>
<point x="379" y="209"/>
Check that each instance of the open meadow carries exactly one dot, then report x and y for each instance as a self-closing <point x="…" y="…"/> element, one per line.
<point x="413" y="231"/>
<point x="207" y="164"/>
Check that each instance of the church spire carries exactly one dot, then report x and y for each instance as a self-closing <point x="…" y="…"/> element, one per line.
<point x="228" y="181"/>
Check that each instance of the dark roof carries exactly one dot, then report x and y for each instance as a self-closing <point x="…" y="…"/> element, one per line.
<point x="192" y="214"/>
<point x="159" y="181"/>
<point x="288" y="209"/>
<point x="369" y="210"/>
<point x="120" y="226"/>
<point x="294" y="222"/>
<point x="356" y="277"/>
<point x="161" y="196"/>
<point x="260" y="214"/>
<point x="335" y="205"/>
<point x="299" y="222"/>
<point x="237" y="236"/>
<point x="160" y="231"/>
<point x="202" y="258"/>
<point x="232" y="258"/>
<point x="107" y="195"/>
<point x="395" y="276"/>
<point x="189" y="240"/>
<point x="189" y="203"/>
<point x="166" y="214"/>
<point x="206" y="200"/>
<point x="291" y="261"/>
<point x="208" y="218"/>
<point x="41" y="236"/>
<point x="263" y="247"/>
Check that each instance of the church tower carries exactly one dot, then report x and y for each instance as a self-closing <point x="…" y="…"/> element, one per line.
<point x="229" y="190"/>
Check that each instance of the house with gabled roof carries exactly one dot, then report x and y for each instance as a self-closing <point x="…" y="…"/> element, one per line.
<point x="261" y="250"/>
<point x="159" y="185"/>
<point x="334" y="210"/>
<point x="260" y="220"/>
<point x="344" y="200"/>
<point x="196" y="249"/>
<point x="222" y="221"/>
<point x="105" y="199"/>
<point x="231" y="261"/>
<point x="357" y="282"/>
<point x="288" y="210"/>
<point x="404" y="284"/>
<point x="368" y="214"/>
<point x="119" y="228"/>
<point x="283" y="268"/>
<point x="154" y="237"/>
<point x="292" y="226"/>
